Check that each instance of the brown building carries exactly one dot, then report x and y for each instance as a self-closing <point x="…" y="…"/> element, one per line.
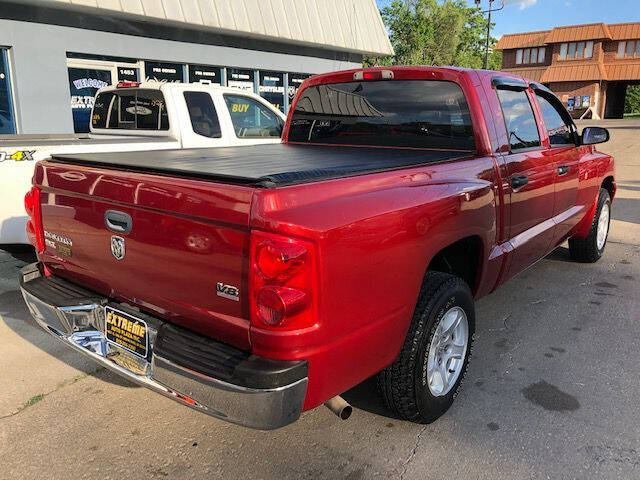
<point x="588" y="66"/>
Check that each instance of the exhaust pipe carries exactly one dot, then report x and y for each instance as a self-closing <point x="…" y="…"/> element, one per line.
<point x="339" y="406"/>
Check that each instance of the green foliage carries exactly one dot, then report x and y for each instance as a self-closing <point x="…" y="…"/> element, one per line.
<point x="632" y="100"/>
<point x="433" y="32"/>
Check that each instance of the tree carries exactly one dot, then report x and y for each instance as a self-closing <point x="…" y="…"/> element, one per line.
<point x="436" y="32"/>
<point x="632" y="100"/>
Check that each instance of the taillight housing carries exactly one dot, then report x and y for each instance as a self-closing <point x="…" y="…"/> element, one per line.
<point x="35" y="230"/>
<point x="283" y="282"/>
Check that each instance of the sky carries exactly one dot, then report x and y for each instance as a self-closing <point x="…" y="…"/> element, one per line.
<point x="530" y="15"/>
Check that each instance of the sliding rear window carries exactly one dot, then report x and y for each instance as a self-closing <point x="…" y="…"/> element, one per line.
<point x="389" y="113"/>
<point x="130" y="109"/>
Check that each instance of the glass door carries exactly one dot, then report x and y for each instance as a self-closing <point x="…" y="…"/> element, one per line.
<point x="7" y="117"/>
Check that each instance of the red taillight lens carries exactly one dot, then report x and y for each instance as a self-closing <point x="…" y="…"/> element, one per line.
<point x="283" y="282"/>
<point x="276" y="304"/>
<point x="29" y="203"/>
<point x="277" y="259"/>
<point x="35" y="231"/>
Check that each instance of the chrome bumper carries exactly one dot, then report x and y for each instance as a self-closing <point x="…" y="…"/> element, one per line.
<point x="76" y="317"/>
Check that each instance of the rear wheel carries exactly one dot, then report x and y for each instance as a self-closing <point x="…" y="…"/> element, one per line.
<point x="591" y="248"/>
<point x="422" y="383"/>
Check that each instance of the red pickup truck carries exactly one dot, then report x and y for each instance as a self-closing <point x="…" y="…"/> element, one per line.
<point x="254" y="283"/>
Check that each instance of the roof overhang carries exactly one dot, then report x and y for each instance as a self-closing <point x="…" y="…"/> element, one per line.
<point x="352" y="26"/>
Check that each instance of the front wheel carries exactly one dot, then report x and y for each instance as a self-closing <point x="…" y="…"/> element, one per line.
<point x="591" y="248"/>
<point x="422" y="383"/>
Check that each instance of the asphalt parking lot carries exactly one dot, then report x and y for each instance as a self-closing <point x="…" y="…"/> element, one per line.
<point x="551" y="392"/>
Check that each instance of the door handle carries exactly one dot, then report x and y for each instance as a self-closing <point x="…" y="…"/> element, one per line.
<point x="519" y="181"/>
<point x="563" y="169"/>
<point x="118" y="222"/>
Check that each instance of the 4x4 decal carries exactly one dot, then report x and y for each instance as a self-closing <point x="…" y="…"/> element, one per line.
<point x="19" y="156"/>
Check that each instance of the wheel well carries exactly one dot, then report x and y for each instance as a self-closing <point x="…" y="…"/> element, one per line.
<point x="461" y="259"/>
<point x="609" y="185"/>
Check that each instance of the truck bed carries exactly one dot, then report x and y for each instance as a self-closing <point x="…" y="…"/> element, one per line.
<point x="266" y="166"/>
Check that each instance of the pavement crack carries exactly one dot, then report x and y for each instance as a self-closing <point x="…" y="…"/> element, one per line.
<point x="411" y="456"/>
<point x="41" y="396"/>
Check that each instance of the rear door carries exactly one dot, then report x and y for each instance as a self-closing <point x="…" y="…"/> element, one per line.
<point x="563" y="148"/>
<point x="531" y="175"/>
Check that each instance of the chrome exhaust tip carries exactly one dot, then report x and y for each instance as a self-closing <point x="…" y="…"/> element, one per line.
<point x="339" y="406"/>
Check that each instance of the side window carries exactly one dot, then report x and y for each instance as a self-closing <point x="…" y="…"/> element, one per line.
<point x="251" y="119"/>
<point x="203" y="115"/>
<point x="519" y="119"/>
<point x="558" y="125"/>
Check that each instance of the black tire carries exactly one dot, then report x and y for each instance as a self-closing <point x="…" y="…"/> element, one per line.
<point x="586" y="249"/>
<point x="403" y="383"/>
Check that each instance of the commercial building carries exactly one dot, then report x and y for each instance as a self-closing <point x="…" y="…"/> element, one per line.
<point x="54" y="55"/>
<point x="588" y="66"/>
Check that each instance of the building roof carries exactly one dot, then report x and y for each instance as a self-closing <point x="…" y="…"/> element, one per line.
<point x="570" y="33"/>
<point x="623" y="71"/>
<point x="574" y="73"/>
<point x="346" y="25"/>
<point x="624" y="31"/>
<point x="532" y="73"/>
<point x="522" y="40"/>
<point x="576" y="33"/>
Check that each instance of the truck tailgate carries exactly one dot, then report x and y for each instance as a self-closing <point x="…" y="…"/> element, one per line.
<point x="183" y="257"/>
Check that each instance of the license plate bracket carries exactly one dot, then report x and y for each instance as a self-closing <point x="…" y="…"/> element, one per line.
<point x="126" y="331"/>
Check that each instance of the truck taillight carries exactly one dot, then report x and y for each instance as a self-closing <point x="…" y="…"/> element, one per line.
<point x="35" y="231"/>
<point x="283" y="282"/>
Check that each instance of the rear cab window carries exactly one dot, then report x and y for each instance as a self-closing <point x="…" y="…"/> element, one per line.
<point x="387" y="113"/>
<point x="130" y="109"/>
<point x="252" y="119"/>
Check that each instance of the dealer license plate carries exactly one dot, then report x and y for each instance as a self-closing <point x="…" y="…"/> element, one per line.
<point x="127" y="331"/>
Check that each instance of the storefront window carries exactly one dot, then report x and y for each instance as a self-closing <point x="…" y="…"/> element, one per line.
<point x="83" y="85"/>
<point x="205" y="74"/>
<point x="295" y="80"/>
<point x="7" y="122"/>
<point x="163" y="72"/>
<point x="240" y="78"/>
<point x="271" y="88"/>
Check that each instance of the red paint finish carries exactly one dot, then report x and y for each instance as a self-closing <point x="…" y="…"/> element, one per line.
<point x="361" y="245"/>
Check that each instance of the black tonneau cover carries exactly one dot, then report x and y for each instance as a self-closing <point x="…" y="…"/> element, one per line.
<point x="265" y="166"/>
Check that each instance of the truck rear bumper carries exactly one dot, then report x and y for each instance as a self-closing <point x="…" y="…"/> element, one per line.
<point x="250" y="391"/>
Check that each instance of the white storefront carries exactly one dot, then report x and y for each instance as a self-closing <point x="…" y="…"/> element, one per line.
<point x="55" y="54"/>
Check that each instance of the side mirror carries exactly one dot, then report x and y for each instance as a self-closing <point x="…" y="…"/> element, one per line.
<point x="593" y="135"/>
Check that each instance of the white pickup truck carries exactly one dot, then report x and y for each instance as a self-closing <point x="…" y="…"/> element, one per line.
<point x="136" y="116"/>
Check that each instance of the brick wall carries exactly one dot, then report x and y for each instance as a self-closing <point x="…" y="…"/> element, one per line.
<point x="574" y="89"/>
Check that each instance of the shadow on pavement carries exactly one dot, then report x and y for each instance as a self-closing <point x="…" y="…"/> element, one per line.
<point x="626" y="209"/>
<point x="23" y="253"/>
<point x="366" y="396"/>
<point x="16" y="316"/>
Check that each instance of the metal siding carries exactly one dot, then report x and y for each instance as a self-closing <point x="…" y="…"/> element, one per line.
<point x="284" y="31"/>
<point x="268" y="18"/>
<point x="301" y="7"/>
<point x="173" y="10"/>
<point x="132" y="6"/>
<point x="209" y="13"/>
<point x="153" y="8"/>
<point x="110" y="4"/>
<point x="191" y="12"/>
<point x="352" y="25"/>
